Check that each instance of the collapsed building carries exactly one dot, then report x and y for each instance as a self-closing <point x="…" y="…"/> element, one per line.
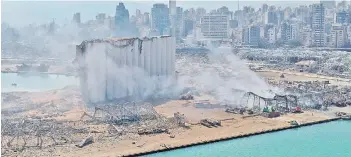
<point x="117" y="68"/>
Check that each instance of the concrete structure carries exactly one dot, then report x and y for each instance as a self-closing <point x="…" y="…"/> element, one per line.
<point x="338" y="36"/>
<point x="318" y="25"/>
<point x="160" y="18"/>
<point x="215" y="26"/>
<point x="118" y="68"/>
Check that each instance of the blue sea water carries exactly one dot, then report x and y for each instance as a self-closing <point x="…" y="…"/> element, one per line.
<point x="35" y="82"/>
<point x="332" y="139"/>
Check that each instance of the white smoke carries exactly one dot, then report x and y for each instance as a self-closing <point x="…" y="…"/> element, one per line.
<point x="109" y="80"/>
<point x="220" y="74"/>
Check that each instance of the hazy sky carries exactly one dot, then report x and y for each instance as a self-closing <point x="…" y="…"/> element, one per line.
<point x="19" y="13"/>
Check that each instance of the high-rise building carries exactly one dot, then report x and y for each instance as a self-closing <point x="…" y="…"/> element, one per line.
<point x="329" y="4"/>
<point x="215" y="26"/>
<point x="160" y="18"/>
<point x="100" y="18"/>
<point x="233" y="23"/>
<point x="251" y="35"/>
<point x="188" y="26"/>
<point x="76" y="18"/>
<point x="338" y="36"/>
<point x="173" y="16"/>
<point x="306" y="36"/>
<point x="264" y="8"/>
<point x="289" y="31"/>
<point x="121" y="17"/>
<point x="146" y="18"/>
<point x="266" y="28"/>
<point x="179" y="24"/>
<point x="342" y="17"/>
<point x="271" y="17"/>
<point x="303" y="14"/>
<point x="272" y="36"/>
<point x="199" y="13"/>
<point x="318" y="25"/>
<point x="285" y="32"/>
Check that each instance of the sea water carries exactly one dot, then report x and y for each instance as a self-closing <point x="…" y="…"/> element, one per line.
<point x="332" y="139"/>
<point x="35" y="82"/>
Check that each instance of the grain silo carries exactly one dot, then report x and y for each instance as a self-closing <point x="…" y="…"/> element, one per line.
<point x="108" y="66"/>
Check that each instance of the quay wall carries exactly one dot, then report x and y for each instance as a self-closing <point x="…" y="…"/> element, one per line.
<point x="228" y="138"/>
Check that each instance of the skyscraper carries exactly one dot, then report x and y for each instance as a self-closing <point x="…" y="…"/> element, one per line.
<point x="251" y="35"/>
<point x="318" y="25"/>
<point x="146" y="18"/>
<point x="338" y="36"/>
<point x="342" y="17"/>
<point x="160" y="18"/>
<point x="173" y="16"/>
<point x="271" y="17"/>
<point x="76" y="18"/>
<point x="199" y="13"/>
<point x="330" y="4"/>
<point x="122" y="17"/>
<point x="179" y="24"/>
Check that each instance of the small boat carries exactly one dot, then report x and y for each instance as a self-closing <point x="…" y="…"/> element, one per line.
<point x="14" y="84"/>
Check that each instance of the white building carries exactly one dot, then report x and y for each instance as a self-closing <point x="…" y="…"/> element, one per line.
<point x="118" y="68"/>
<point x="215" y="26"/>
<point x="338" y="36"/>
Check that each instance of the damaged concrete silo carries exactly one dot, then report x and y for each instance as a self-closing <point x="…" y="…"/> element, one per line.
<point x="117" y="68"/>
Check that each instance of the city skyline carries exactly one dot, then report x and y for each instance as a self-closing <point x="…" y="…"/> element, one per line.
<point x="23" y="13"/>
<point x="320" y="24"/>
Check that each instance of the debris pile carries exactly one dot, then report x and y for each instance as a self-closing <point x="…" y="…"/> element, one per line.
<point x="331" y="63"/>
<point x="316" y="94"/>
<point x="181" y="120"/>
<point x="343" y="115"/>
<point x="210" y="123"/>
<point x="25" y="131"/>
<point x="238" y="110"/>
<point x="187" y="96"/>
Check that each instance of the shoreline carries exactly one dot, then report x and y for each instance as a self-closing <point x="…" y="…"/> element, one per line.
<point x="231" y="137"/>
<point x="40" y="73"/>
